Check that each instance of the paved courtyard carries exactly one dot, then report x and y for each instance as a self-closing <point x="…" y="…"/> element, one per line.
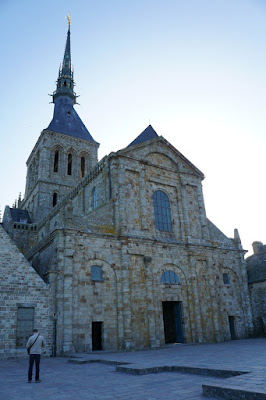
<point x="173" y="372"/>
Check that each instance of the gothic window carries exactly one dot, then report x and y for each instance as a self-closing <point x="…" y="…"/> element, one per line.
<point x="162" y="211"/>
<point x="226" y="279"/>
<point x="56" y="159"/>
<point x="69" y="164"/>
<point x="82" y="167"/>
<point x="94" y="198"/>
<point x="25" y="319"/>
<point x="170" y="277"/>
<point x="55" y="197"/>
<point x="96" y="273"/>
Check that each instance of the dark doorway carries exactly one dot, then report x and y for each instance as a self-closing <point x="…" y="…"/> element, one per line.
<point x="232" y="327"/>
<point x="172" y="318"/>
<point x="97" y="336"/>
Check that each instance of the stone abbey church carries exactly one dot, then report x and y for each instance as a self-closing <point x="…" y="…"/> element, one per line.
<point x="116" y="254"/>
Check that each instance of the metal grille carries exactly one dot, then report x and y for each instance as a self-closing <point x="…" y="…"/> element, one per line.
<point x="25" y="319"/>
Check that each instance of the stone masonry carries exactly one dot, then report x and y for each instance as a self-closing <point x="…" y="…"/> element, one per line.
<point x="22" y="287"/>
<point x="256" y="266"/>
<point x="124" y="244"/>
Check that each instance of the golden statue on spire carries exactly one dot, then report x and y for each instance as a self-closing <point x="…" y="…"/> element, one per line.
<point x="68" y="19"/>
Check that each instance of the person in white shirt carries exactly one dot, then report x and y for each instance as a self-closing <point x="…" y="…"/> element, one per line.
<point x="34" y="347"/>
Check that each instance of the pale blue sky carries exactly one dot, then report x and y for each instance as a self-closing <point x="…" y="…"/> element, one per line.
<point x="194" y="69"/>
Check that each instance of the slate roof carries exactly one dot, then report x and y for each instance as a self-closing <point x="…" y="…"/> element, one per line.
<point x="148" y="134"/>
<point x="17" y="214"/>
<point x="67" y="121"/>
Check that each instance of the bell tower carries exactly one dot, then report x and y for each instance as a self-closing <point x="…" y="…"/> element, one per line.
<point x="65" y="150"/>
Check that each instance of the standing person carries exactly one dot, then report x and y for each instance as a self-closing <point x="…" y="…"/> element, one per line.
<point x="34" y="347"/>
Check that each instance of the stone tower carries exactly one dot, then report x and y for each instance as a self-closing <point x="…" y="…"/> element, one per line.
<point x="64" y="152"/>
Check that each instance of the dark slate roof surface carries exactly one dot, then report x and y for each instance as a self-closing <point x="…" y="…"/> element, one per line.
<point x="148" y="134"/>
<point x="17" y="214"/>
<point x="67" y="121"/>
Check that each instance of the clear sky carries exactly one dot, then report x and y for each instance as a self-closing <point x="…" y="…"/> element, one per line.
<point x="194" y="69"/>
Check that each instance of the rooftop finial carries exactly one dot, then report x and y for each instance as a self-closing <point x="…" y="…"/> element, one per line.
<point x="68" y="19"/>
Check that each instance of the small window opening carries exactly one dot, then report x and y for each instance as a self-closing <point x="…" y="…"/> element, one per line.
<point x="54" y="199"/>
<point x="56" y="159"/>
<point x="65" y="83"/>
<point x="226" y="279"/>
<point x="96" y="273"/>
<point x="69" y="164"/>
<point x="82" y="167"/>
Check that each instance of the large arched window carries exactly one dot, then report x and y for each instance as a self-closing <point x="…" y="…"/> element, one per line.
<point x="56" y="160"/>
<point x="170" y="277"/>
<point x="162" y="211"/>
<point x="82" y="167"/>
<point x="94" y="198"/>
<point x="69" y="164"/>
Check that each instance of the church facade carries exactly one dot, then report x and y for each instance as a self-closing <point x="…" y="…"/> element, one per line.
<point x="123" y="244"/>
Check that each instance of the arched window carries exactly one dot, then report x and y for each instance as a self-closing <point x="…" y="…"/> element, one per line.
<point x="69" y="164"/>
<point x="170" y="277"/>
<point x="54" y="199"/>
<point x="162" y="211"/>
<point x="94" y="198"/>
<point x="56" y="160"/>
<point x="82" y="167"/>
<point x="96" y="273"/>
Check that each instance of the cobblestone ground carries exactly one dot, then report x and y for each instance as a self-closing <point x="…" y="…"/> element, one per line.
<point x="62" y="380"/>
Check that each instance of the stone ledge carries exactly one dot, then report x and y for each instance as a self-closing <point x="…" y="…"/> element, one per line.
<point x="88" y="361"/>
<point x="188" y="370"/>
<point x="232" y="393"/>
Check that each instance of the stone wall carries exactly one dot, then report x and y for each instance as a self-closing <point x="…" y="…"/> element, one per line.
<point x="21" y="286"/>
<point x="256" y="267"/>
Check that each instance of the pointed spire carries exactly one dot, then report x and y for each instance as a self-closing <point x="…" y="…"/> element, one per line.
<point x="65" y="81"/>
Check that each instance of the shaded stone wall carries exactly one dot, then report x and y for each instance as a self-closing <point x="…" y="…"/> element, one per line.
<point x="21" y="286"/>
<point x="256" y="267"/>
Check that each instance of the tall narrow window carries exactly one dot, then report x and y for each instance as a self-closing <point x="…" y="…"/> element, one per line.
<point x="54" y="199"/>
<point x="25" y="319"/>
<point x="69" y="164"/>
<point x="82" y="167"/>
<point x="56" y="159"/>
<point x="94" y="198"/>
<point x="162" y="211"/>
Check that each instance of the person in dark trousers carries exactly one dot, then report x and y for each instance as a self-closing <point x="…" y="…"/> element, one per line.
<point x="34" y="347"/>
